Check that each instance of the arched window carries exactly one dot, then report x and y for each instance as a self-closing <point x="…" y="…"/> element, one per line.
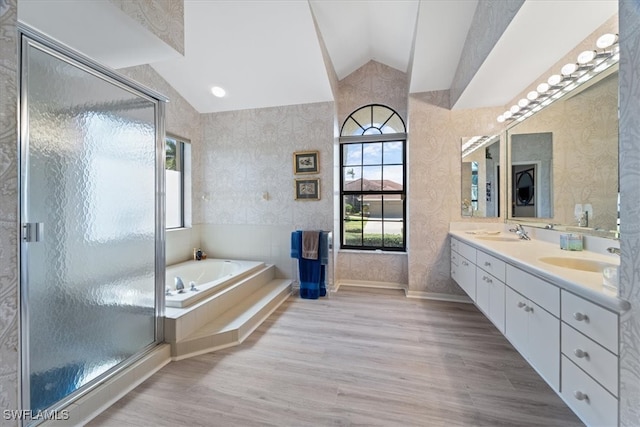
<point x="373" y="179"/>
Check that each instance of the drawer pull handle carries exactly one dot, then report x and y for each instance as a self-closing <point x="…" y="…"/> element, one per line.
<point x="580" y="353"/>
<point x="465" y="263"/>
<point x="528" y="309"/>
<point x="487" y="264"/>
<point x="521" y="304"/>
<point x="487" y="279"/>
<point x="580" y="317"/>
<point x="580" y="395"/>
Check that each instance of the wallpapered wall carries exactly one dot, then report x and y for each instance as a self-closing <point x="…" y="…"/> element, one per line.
<point x="164" y="18"/>
<point x="630" y="211"/>
<point x="373" y="83"/>
<point x="435" y="135"/>
<point x="247" y="180"/>
<point x="9" y="316"/>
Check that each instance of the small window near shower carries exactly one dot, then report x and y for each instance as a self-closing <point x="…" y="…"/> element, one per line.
<point x="177" y="182"/>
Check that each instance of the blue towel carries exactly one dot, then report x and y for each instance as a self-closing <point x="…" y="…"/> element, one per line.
<point x="324" y="248"/>
<point x="296" y="243"/>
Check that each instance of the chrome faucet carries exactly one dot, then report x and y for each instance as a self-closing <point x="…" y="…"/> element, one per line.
<point x="615" y="251"/>
<point x="520" y="231"/>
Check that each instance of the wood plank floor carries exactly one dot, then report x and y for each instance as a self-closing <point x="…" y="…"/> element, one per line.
<point x="362" y="358"/>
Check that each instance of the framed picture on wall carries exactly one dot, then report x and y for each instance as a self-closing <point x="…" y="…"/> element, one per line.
<point x="307" y="189"/>
<point x="305" y="162"/>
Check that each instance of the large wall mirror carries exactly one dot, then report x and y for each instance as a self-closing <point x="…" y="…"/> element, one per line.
<point x="480" y="176"/>
<point x="563" y="161"/>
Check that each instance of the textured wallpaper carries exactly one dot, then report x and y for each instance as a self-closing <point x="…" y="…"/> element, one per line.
<point x="630" y="212"/>
<point x="9" y="315"/>
<point x="435" y="133"/>
<point x="489" y="23"/>
<point x="164" y="18"/>
<point x="373" y="83"/>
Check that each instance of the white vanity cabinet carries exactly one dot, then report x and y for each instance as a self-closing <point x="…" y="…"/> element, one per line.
<point x="570" y="340"/>
<point x="589" y="360"/>
<point x="532" y="323"/>
<point x="490" y="288"/>
<point x="463" y="267"/>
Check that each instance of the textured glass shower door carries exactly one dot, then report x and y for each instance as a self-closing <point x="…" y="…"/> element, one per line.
<point x="89" y="298"/>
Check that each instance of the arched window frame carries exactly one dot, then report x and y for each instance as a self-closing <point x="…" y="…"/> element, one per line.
<point x="373" y="126"/>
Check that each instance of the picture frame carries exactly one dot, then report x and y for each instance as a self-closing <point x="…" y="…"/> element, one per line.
<point x="306" y="162"/>
<point x="307" y="189"/>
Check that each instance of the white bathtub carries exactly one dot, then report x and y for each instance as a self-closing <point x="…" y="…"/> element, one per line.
<point x="209" y="275"/>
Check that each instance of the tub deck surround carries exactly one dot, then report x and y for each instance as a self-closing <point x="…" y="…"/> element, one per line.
<point x="209" y="275"/>
<point x="227" y="316"/>
<point x="526" y="254"/>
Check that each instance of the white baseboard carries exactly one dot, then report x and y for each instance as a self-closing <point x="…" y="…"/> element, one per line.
<point x="369" y="284"/>
<point x="439" y="297"/>
<point x="408" y="293"/>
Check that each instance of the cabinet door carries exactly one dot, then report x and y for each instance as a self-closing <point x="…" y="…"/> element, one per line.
<point x="483" y="281"/>
<point x="497" y="304"/>
<point x="467" y="277"/>
<point x="544" y="344"/>
<point x="516" y="320"/>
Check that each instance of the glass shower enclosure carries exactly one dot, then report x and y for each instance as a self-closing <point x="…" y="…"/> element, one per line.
<point x="92" y="244"/>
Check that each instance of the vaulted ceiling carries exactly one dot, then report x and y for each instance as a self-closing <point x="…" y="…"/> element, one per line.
<point x="267" y="52"/>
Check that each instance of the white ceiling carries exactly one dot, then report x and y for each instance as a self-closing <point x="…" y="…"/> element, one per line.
<point x="266" y="52"/>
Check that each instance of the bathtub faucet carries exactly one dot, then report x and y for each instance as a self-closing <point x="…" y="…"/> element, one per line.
<point x="179" y="284"/>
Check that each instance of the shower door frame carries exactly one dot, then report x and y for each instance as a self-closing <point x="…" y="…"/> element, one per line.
<point x="29" y="36"/>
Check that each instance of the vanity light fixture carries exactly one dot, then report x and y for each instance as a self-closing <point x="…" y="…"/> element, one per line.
<point x="606" y="40"/>
<point x="542" y="87"/>
<point x="586" y="57"/>
<point x="554" y="80"/>
<point x="589" y="64"/>
<point x="218" y="92"/>
<point x="569" y="69"/>
<point x="474" y="143"/>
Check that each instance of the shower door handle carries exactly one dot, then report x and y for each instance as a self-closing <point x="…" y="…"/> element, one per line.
<point x="32" y="231"/>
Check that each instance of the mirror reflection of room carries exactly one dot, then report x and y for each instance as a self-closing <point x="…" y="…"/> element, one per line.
<point x="480" y="177"/>
<point x="581" y="149"/>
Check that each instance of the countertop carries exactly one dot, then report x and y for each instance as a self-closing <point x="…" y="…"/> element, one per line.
<point x="526" y="254"/>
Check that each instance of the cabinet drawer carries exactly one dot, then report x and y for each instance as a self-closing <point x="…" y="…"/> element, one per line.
<point x="595" y="360"/>
<point x="592" y="403"/>
<point x="469" y="252"/>
<point x="599" y="324"/>
<point x="455" y="258"/>
<point x="537" y="290"/>
<point x="491" y="264"/>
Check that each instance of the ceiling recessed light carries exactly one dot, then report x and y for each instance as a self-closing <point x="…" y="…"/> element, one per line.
<point x="218" y="91"/>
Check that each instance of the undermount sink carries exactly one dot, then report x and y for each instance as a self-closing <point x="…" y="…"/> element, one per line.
<point x="498" y="238"/>
<point x="577" y="263"/>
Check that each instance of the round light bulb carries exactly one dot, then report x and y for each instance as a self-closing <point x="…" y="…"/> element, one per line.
<point x="501" y="118"/>
<point x="532" y="95"/>
<point x="586" y="57"/>
<point x="542" y="87"/>
<point x="218" y="91"/>
<point x="507" y="114"/>
<point x="606" y="40"/>
<point x="514" y="109"/>
<point x="569" y="69"/>
<point x="554" y="79"/>
<point x="523" y="102"/>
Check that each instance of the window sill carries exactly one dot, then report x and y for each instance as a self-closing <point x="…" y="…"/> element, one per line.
<point x="370" y="252"/>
